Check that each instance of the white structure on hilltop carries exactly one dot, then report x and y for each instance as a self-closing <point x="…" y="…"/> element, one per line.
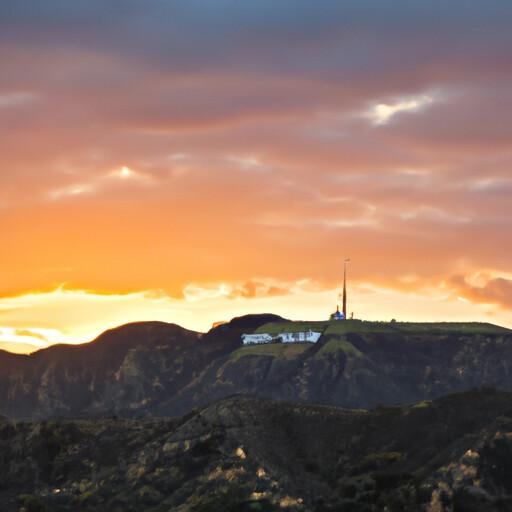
<point x="256" y="339"/>
<point x="300" y="337"/>
<point x="283" y="337"/>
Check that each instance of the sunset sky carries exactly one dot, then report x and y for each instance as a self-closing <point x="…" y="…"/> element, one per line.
<point x="195" y="160"/>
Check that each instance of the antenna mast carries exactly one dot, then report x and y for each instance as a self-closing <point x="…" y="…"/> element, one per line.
<point x="345" y="287"/>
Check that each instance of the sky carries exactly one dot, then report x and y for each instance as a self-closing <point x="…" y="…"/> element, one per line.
<point x="194" y="160"/>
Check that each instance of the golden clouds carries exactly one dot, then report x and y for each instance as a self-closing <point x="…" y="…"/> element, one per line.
<point x="143" y="160"/>
<point x="65" y="315"/>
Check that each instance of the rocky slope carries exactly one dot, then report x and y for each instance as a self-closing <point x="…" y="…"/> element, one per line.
<point x="362" y="365"/>
<point x="245" y="454"/>
<point x="161" y="369"/>
<point x="125" y="370"/>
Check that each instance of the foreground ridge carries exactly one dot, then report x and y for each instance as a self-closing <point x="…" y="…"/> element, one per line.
<point x="244" y="453"/>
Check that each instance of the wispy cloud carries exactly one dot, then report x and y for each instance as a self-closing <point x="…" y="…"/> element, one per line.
<point x="15" y="99"/>
<point x="251" y="289"/>
<point x="79" y="189"/>
<point x="123" y="174"/>
<point x="432" y="214"/>
<point x="247" y="163"/>
<point x="260" y="147"/>
<point x="492" y="185"/>
<point x="382" y="113"/>
<point x="483" y="288"/>
<point x="127" y="174"/>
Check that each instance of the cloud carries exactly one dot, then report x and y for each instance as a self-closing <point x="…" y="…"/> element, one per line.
<point x="246" y="163"/>
<point x="98" y="183"/>
<point x="433" y="214"/>
<point x="491" y="185"/>
<point x="79" y="189"/>
<point x="253" y="289"/>
<point x="149" y="144"/>
<point x="250" y="289"/>
<point x="128" y="174"/>
<point x="487" y="289"/>
<point x="16" y="99"/>
<point x="382" y="113"/>
<point x="36" y="337"/>
<point x="33" y="334"/>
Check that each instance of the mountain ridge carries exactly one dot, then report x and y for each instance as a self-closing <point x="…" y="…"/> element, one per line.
<point x="113" y="330"/>
<point x="156" y="368"/>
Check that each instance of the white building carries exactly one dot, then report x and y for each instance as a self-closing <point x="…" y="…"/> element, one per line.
<point x="256" y="339"/>
<point x="284" y="337"/>
<point x="300" y="337"/>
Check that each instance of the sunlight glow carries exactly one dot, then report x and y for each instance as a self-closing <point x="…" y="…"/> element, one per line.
<point x="78" y="316"/>
<point x="125" y="172"/>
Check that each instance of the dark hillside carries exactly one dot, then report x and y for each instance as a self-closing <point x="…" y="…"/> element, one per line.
<point x="154" y="368"/>
<point x="358" y="364"/>
<point x="242" y="454"/>
<point x="119" y="369"/>
<point x="125" y="370"/>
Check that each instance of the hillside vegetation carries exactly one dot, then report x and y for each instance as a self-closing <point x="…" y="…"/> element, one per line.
<point x="244" y="454"/>
<point x="355" y="326"/>
<point x="155" y="368"/>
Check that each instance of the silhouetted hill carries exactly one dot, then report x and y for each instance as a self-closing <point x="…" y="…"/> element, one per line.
<point x="246" y="454"/>
<point x="128" y="368"/>
<point x="122" y="366"/>
<point x="154" y="368"/>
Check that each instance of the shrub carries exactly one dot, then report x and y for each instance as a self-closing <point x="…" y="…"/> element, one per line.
<point x="31" y="503"/>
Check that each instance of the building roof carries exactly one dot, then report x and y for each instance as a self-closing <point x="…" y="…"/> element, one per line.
<point x="338" y="315"/>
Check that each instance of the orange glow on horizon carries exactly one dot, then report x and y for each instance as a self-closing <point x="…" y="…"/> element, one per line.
<point x="78" y="316"/>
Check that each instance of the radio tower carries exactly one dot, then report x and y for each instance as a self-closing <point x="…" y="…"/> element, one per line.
<point x="345" y="287"/>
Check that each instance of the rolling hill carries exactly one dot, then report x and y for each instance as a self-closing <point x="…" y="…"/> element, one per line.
<point x="160" y="369"/>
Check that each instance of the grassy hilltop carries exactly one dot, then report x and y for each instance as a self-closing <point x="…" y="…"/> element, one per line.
<point x="363" y="326"/>
<point x="333" y="334"/>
